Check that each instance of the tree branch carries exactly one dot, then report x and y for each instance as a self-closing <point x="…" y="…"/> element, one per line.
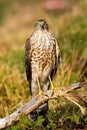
<point x="35" y="102"/>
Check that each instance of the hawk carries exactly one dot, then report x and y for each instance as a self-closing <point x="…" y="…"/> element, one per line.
<point x="42" y="57"/>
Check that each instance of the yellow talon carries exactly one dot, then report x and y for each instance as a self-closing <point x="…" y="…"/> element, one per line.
<point x="52" y="86"/>
<point x="40" y="91"/>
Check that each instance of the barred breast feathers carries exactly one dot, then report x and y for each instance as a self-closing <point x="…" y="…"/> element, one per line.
<point x="41" y="39"/>
<point x="45" y="52"/>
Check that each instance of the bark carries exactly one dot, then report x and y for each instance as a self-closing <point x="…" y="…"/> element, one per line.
<point x="34" y="103"/>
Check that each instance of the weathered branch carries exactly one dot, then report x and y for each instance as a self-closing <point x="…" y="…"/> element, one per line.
<point x="35" y="102"/>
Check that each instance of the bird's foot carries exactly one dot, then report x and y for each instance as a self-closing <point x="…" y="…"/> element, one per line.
<point x="52" y="86"/>
<point x="39" y="93"/>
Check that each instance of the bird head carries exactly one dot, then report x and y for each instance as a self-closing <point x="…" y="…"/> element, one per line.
<point x="41" y="24"/>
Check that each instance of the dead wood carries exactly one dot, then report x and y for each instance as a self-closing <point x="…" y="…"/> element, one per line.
<point x="34" y="103"/>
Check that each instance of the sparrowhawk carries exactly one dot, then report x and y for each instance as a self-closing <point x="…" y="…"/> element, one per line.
<point x="42" y="57"/>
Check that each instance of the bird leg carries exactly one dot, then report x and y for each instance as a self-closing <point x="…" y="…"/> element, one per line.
<point x="40" y="91"/>
<point x="52" y="86"/>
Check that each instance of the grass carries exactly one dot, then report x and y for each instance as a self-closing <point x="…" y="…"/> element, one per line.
<point x="71" y="32"/>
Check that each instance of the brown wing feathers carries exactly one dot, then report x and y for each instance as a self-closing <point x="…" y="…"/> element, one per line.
<point x="28" y="60"/>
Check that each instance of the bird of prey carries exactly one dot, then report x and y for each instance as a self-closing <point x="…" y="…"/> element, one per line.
<point x="42" y="57"/>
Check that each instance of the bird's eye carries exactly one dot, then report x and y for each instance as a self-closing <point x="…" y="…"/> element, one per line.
<point x="46" y="26"/>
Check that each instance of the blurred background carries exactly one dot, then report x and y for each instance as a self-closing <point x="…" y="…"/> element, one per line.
<point x="67" y="21"/>
<point x="17" y="19"/>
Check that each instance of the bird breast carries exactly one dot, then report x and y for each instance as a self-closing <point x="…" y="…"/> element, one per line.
<point x="42" y="54"/>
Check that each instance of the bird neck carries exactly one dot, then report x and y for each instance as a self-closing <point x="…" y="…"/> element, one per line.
<point x="40" y="31"/>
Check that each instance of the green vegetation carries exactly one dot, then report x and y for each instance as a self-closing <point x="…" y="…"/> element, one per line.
<point x="70" y="29"/>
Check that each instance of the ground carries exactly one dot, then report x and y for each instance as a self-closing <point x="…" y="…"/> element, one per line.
<point x="68" y="23"/>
